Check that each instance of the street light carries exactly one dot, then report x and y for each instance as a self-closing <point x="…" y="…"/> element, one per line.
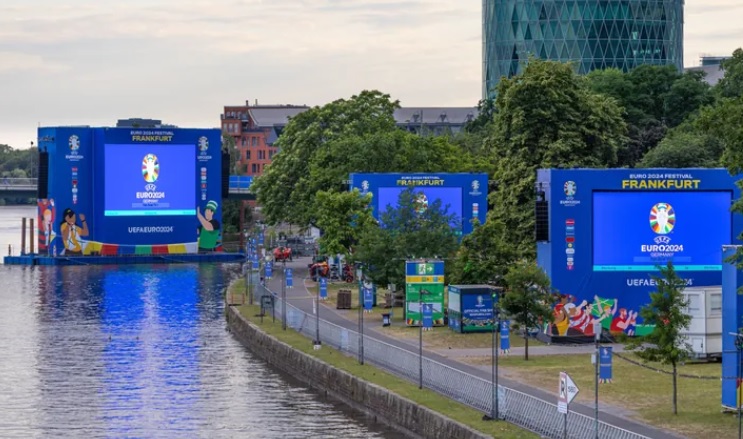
<point x="283" y="297"/>
<point x="495" y="414"/>
<point x="420" y="338"/>
<point x="597" y="337"/>
<point x="316" y="343"/>
<point x="739" y="348"/>
<point x="359" y="275"/>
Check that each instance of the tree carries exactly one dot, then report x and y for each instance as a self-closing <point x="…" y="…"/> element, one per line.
<point x="686" y="96"/>
<point x="665" y="311"/>
<point x="684" y="150"/>
<point x="279" y="190"/>
<point x="409" y="230"/>
<point x="484" y="255"/>
<point x="343" y="218"/>
<point x="731" y="85"/>
<point x="528" y="298"/>
<point x="546" y="117"/>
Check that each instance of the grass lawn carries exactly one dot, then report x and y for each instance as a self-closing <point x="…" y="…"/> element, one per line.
<point x="439" y="338"/>
<point x="427" y="398"/>
<point x="645" y="393"/>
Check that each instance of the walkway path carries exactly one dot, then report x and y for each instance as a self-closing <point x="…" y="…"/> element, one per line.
<point x="301" y="297"/>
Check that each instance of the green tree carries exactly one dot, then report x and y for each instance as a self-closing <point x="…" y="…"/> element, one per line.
<point x="280" y="190"/>
<point x="546" y="118"/>
<point x="484" y="255"/>
<point x="528" y="298"/>
<point x="666" y="311"/>
<point x="343" y="218"/>
<point x="409" y="231"/>
<point x="684" y="150"/>
<point x="686" y="96"/>
<point x="731" y="84"/>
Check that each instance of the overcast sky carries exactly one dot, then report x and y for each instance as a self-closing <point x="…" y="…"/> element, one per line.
<point x="66" y="62"/>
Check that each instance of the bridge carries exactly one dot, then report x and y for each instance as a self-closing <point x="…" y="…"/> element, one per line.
<point x="28" y="187"/>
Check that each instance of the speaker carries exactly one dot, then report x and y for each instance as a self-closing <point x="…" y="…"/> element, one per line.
<point x="225" y="175"/>
<point x="542" y="223"/>
<point x="43" y="182"/>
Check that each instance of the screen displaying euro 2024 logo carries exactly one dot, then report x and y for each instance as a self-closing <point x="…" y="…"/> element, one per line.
<point x="203" y="144"/>
<point x="150" y="168"/>
<point x="74" y="143"/>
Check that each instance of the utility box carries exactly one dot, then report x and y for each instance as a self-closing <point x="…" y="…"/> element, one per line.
<point x="344" y="299"/>
<point x="471" y="308"/>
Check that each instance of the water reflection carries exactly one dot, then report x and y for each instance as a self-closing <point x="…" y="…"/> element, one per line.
<point x="133" y="351"/>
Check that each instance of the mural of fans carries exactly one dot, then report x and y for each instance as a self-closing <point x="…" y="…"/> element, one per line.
<point x="569" y="319"/>
<point x="209" y="228"/>
<point x="46" y="215"/>
<point x="72" y="233"/>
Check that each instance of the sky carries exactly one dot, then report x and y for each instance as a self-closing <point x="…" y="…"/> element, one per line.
<point x="91" y="62"/>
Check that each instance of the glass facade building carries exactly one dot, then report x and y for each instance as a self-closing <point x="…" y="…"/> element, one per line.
<point x="594" y="34"/>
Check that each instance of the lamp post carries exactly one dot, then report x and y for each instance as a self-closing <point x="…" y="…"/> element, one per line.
<point x="283" y="297"/>
<point x="739" y="348"/>
<point x="597" y="337"/>
<point x="495" y="413"/>
<point x="359" y="275"/>
<point x="420" y="338"/>
<point x="317" y="343"/>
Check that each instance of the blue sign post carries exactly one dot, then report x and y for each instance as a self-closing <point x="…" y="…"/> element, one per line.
<point x="256" y="262"/>
<point x="427" y="316"/>
<point x="323" y="288"/>
<point x="269" y="270"/>
<point x="289" y="278"/>
<point x="368" y="298"/>
<point x="605" y="358"/>
<point x="505" y="336"/>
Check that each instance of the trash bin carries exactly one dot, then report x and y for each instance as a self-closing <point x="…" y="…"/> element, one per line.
<point x="386" y="319"/>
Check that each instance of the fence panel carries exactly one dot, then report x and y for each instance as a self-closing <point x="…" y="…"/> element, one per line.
<point x="516" y="407"/>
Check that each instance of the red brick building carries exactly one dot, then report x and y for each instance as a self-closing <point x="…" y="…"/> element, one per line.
<point x="255" y="129"/>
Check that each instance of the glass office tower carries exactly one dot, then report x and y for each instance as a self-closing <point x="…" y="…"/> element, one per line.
<point x="594" y="34"/>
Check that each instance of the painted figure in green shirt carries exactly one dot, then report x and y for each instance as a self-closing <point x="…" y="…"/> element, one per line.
<point x="209" y="228"/>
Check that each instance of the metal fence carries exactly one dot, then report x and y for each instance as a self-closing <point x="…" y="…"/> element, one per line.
<point x="10" y="183"/>
<point x="516" y="407"/>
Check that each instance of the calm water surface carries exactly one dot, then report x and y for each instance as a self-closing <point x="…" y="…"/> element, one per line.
<point x="142" y="352"/>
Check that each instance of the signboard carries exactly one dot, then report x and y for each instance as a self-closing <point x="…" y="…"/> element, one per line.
<point x="605" y="363"/>
<point x="505" y="336"/>
<point x="610" y="228"/>
<point x="256" y="261"/>
<point x="566" y="392"/>
<point x="465" y="196"/>
<point x="323" y="288"/>
<point x="289" y="278"/>
<point x="368" y="295"/>
<point x="424" y="282"/>
<point x="477" y="312"/>
<point x="427" y="316"/>
<point x="269" y="270"/>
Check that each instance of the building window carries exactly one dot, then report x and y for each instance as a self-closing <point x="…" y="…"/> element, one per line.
<point x="254" y="168"/>
<point x="255" y="141"/>
<point x="270" y="155"/>
<point x="247" y="155"/>
<point x="715" y="303"/>
<point x="242" y="141"/>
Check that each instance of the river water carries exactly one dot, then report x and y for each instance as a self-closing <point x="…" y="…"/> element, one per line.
<point x="141" y="352"/>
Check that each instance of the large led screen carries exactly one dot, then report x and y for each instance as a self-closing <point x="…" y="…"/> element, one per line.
<point x="451" y="200"/>
<point x="149" y="180"/>
<point x="637" y="231"/>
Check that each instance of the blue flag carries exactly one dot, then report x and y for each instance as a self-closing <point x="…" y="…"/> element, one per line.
<point x="428" y="315"/>
<point x="505" y="336"/>
<point x="269" y="270"/>
<point x="605" y="357"/>
<point x="289" y="278"/>
<point x="256" y="261"/>
<point x="368" y="298"/>
<point x="323" y="288"/>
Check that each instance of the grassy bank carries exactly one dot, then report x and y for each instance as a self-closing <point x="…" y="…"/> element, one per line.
<point x="645" y="394"/>
<point x="426" y="398"/>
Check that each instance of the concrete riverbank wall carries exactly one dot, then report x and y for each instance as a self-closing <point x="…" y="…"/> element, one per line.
<point x="385" y="406"/>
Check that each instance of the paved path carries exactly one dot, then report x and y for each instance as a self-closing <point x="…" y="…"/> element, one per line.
<point x="301" y="297"/>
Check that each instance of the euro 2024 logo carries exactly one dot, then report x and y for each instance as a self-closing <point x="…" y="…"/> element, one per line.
<point x="570" y="188"/>
<point x="203" y="144"/>
<point x="74" y="143"/>
<point x="662" y="222"/>
<point x="150" y="169"/>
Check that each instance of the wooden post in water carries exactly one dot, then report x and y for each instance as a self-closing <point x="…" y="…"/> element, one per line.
<point x="31" y="235"/>
<point x="23" y="236"/>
